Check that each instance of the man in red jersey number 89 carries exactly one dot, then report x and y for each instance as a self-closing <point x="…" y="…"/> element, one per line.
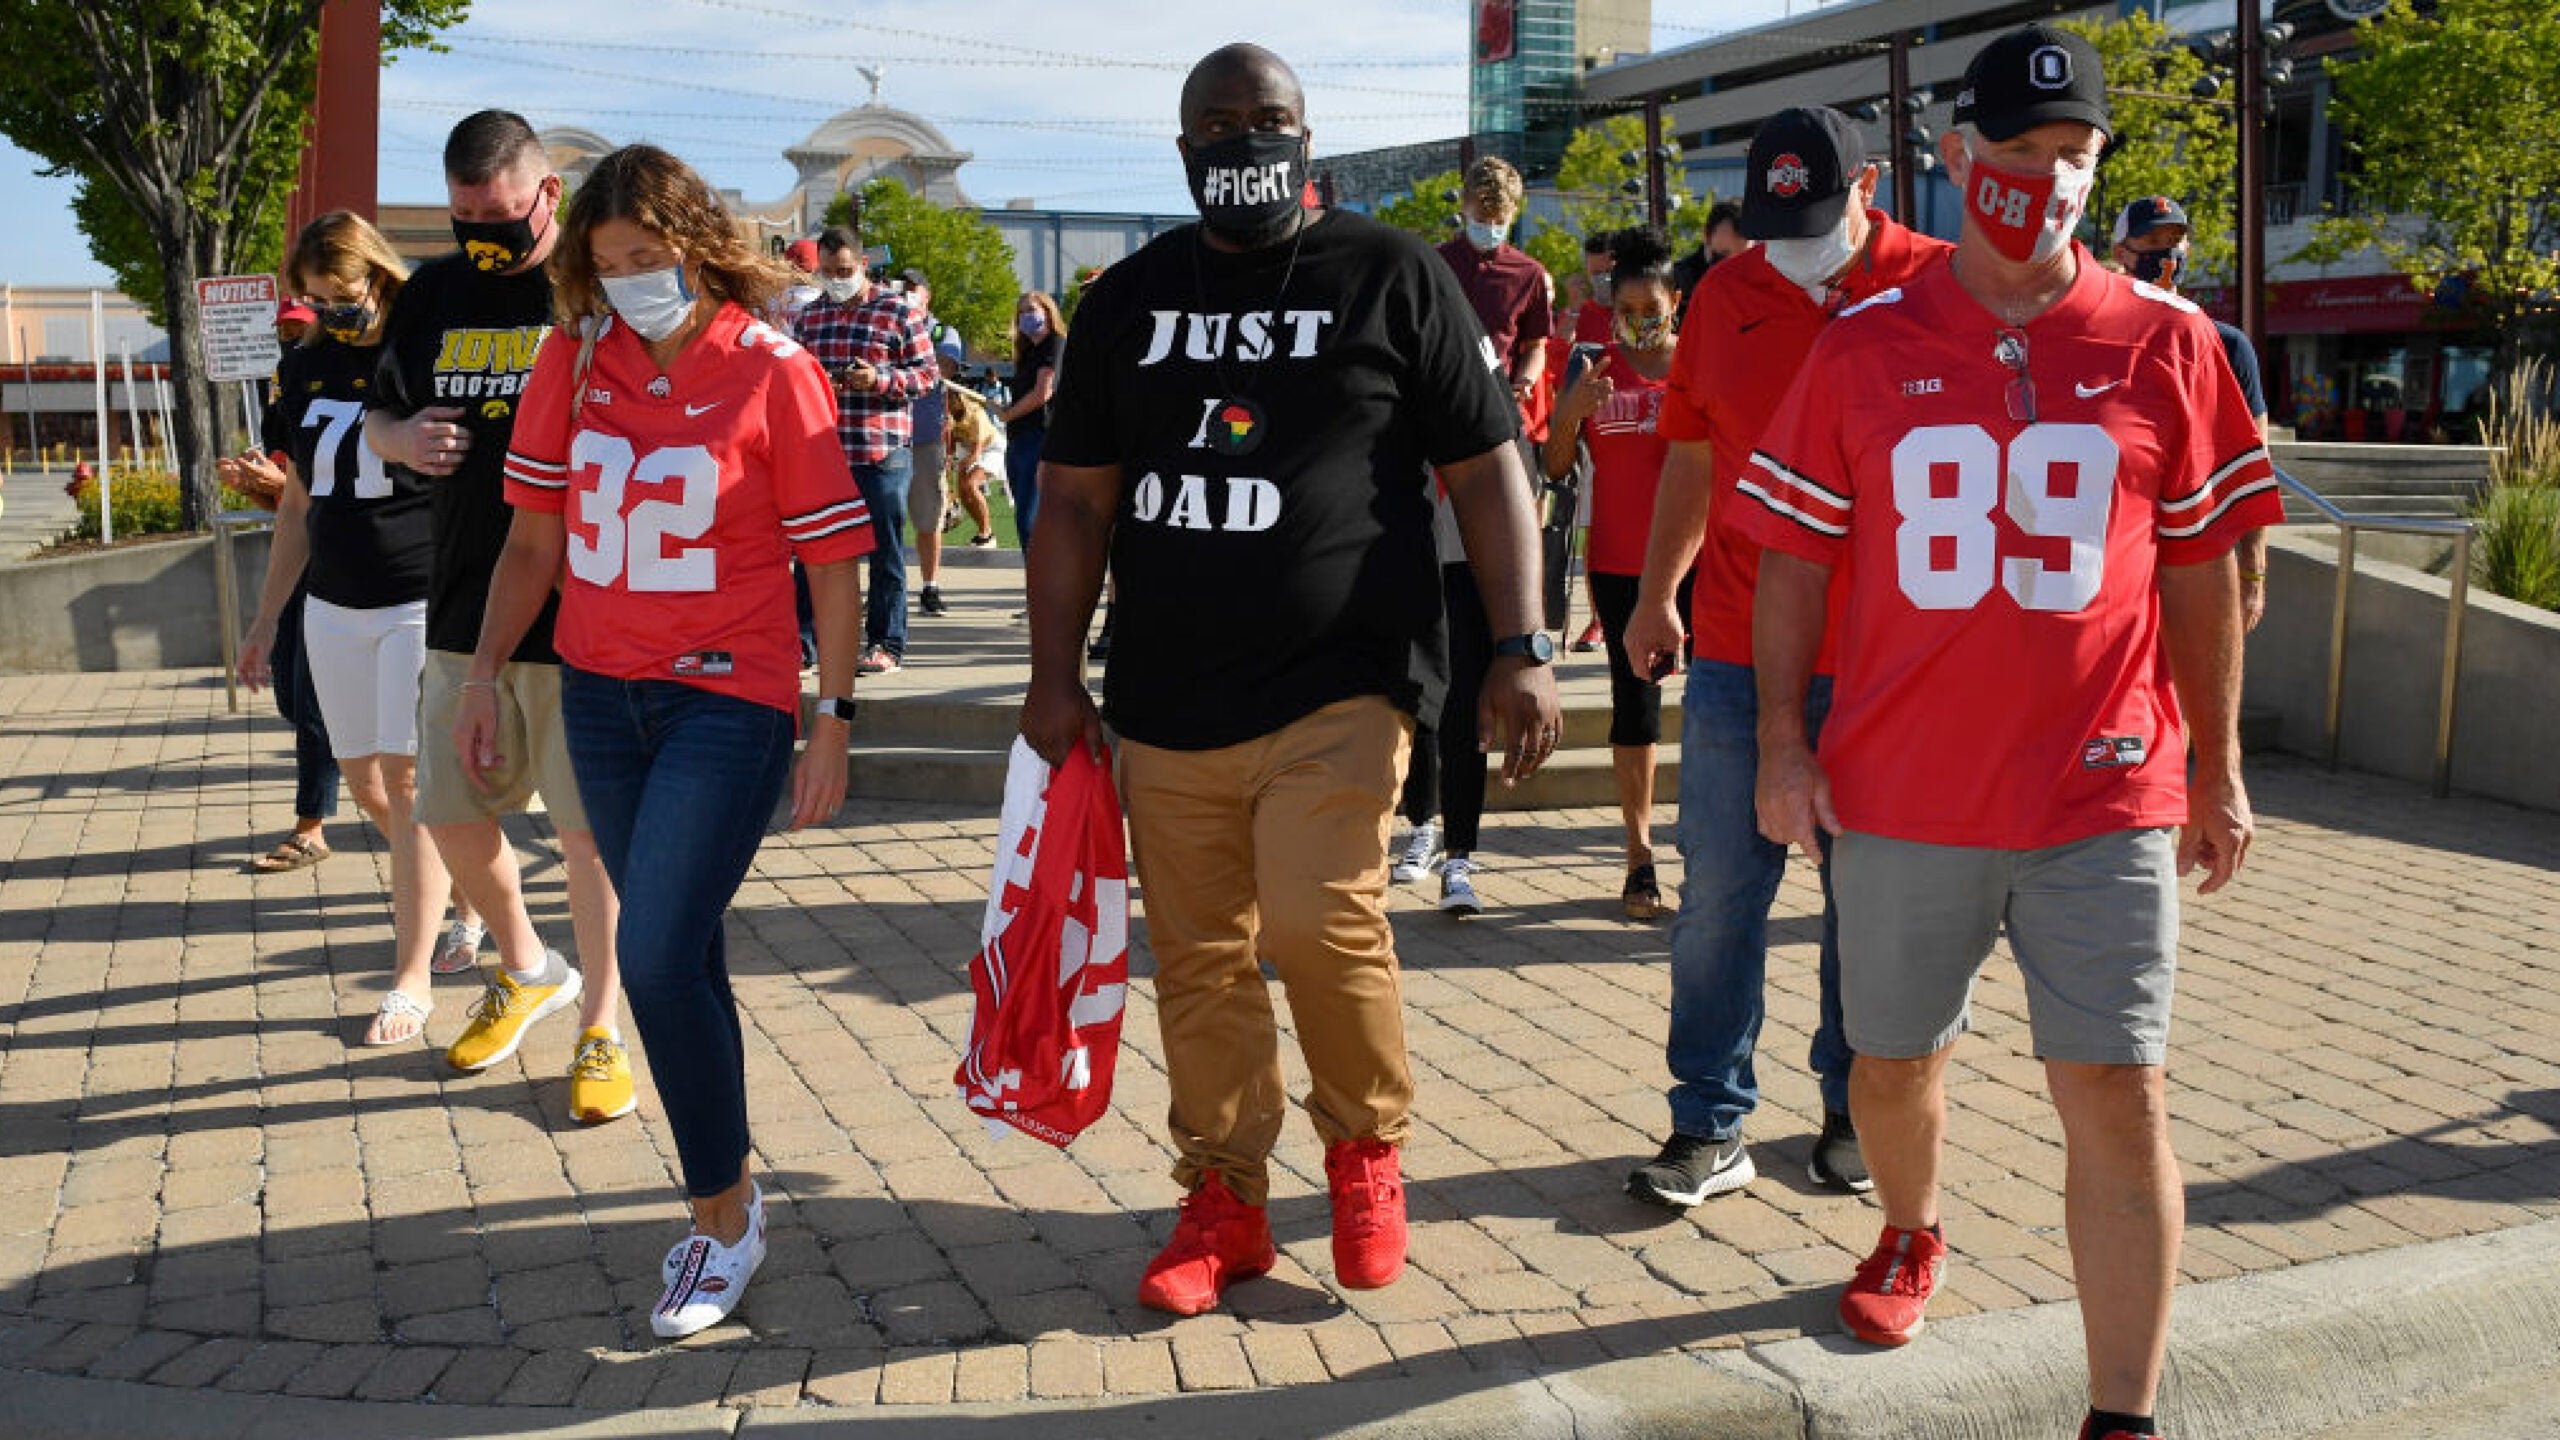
<point x="2035" y="471"/>
<point x="673" y="453"/>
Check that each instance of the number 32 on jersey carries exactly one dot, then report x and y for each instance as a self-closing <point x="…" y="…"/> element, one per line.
<point x="2056" y="481"/>
<point x="643" y="545"/>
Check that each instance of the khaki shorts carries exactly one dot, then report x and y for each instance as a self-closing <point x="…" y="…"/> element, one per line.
<point x="535" y="749"/>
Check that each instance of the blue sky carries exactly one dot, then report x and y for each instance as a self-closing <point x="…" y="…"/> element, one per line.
<point x="1068" y="103"/>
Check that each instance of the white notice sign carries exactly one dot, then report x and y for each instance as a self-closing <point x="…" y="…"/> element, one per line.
<point x="239" y="327"/>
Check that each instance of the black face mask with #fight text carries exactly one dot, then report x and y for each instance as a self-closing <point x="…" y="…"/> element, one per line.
<point x="1249" y="187"/>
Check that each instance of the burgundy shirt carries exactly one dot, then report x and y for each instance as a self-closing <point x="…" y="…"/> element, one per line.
<point x="1509" y="291"/>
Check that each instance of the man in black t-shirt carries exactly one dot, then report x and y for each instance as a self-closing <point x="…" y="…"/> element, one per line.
<point x="456" y="352"/>
<point x="1242" y="424"/>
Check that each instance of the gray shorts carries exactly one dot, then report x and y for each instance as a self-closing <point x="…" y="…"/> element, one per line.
<point x="2094" y="926"/>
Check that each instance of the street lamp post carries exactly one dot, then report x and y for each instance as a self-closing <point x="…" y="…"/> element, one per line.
<point x="1657" y="179"/>
<point x="2249" y="109"/>
<point x="1898" y="123"/>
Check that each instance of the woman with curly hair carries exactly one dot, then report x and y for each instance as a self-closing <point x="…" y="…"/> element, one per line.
<point x="672" y="454"/>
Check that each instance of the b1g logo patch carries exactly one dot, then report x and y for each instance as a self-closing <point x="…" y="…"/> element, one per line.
<point x="2113" y="752"/>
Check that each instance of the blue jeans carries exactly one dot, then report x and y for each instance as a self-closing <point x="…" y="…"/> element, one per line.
<point x="884" y="490"/>
<point x="679" y="784"/>
<point x="315" y="764"/>
<point x="1022" y="479"/>
<point x="1720" y="937"/>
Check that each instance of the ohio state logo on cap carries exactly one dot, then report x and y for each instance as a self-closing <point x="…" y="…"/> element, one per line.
<point x="2049" y="68"/>
<point x="1788" y="175"/>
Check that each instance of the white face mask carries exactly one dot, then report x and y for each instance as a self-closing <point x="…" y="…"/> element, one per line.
<point x="1812" y="261"/>
<point x="841" y="290"/>
<point x="655" y="305"/>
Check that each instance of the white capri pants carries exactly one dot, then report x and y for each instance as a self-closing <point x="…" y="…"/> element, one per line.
<point x="364" y="667"/>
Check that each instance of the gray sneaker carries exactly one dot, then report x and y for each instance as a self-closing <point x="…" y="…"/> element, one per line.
<point x="1838" y="1164"/>
<point x="1421" y="853"/>
<point x="1691" y="1168"/>
<point x="1457" y="886"/>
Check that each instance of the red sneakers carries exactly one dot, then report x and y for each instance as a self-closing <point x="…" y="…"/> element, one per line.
<point x="1368" y="1212"/>
<point x="1219" y="1240"/>
<point x="1884" y="1301"/>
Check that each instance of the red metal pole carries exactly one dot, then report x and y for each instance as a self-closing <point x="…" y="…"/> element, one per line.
<point x="340" y="156"/>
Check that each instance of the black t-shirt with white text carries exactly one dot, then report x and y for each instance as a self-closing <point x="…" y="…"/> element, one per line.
<point x="372" y="530"/>
<point x="462" y="338"/>
<point x="1272" y="422"/>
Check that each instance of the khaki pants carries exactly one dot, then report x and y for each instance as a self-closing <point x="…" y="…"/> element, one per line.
<point x="1274" y="849"/>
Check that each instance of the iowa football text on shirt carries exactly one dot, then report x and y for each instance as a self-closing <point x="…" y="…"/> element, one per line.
<point x="458" y="337"/>
<point x="1273" y="549"/>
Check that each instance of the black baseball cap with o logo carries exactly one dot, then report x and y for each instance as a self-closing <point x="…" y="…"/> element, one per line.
<point x="2031" y="77"/>
<point x="1802" y="166"/>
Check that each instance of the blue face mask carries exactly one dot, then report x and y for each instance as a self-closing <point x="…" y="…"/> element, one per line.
<point x="1486" y="236"/>
<point x="1033" y="325"/>
<point x="655" y="305"/>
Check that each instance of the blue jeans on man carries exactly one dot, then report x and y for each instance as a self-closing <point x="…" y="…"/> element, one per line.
<point x="884" y="611"/>
<point x="679" y="784"/>
<point x="1720" y="936"/>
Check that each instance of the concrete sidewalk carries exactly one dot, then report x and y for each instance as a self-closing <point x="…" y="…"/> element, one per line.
<point x="208" y="1194"/>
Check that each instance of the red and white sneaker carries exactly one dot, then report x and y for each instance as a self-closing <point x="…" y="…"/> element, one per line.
<point x="705" y="1279"/>
<point x="1367" y="1181"/>
<point x="1885" y="1299"/>
<point x="1218" y="1241"/>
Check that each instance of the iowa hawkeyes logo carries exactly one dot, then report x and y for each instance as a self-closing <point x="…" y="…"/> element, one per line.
<point x="489" y="257"/>
<point x="495" y="410"/>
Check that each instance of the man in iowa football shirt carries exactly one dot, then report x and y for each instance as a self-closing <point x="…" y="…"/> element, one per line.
<point x="2035" y="471"/>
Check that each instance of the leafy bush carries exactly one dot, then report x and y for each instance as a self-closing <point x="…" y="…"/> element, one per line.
<point x="2517" y="552"/>
<point x="146" y="503"/>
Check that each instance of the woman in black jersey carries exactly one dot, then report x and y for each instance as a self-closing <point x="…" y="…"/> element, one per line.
<point x="361" y="535"/>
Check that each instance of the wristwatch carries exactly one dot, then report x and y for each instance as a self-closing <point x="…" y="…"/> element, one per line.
<point x="837" y="707"/>
<point x="1536" y="647"/>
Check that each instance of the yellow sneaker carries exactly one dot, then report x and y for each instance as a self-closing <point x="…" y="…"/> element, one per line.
<point x="502" y="1014"/>
<point x="600" y="1078"/>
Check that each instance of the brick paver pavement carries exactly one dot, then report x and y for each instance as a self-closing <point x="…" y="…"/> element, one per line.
<point x="203" y="1185"/>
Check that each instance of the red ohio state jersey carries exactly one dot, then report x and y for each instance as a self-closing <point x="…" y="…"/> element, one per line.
<point x="2002" y="681"/>
<point x="685" y="495"/>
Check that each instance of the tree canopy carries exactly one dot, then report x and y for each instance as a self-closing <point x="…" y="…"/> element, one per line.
<point x="2452" y="131"/>
<point x="964" y="256"/>
<point x="2167" y="142"/>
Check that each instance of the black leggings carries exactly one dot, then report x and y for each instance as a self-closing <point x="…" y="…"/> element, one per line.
<point x="1447" y="770"/>
<point x="1635" y="701"/>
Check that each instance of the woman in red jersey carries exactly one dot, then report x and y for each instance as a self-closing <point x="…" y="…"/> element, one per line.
<point x="1611" y="407"/>
<point x="671" y="455"/>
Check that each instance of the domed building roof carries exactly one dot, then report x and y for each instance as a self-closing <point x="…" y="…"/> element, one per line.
<point x="871" y="140"/>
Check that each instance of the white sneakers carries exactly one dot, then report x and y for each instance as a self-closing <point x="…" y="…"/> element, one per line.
<point x="1458" y="887"/>
<point x="1421" y="853"/>
<point x="705" y="1278"/>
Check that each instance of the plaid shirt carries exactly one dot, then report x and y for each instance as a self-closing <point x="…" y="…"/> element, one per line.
<point x="884" y="331"/>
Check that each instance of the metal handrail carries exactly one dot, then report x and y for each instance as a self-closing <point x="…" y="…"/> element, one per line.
<point x="2458" y="531"/>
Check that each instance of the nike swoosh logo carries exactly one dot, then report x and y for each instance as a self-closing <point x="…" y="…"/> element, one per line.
<point x="2087" y="391"/>
<point x="1747" y="326"/>
<point x="691" y="411"/>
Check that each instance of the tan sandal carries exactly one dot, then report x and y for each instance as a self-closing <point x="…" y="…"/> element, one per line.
<point x="397" y="1006"/>
<point x="292" y="853"/>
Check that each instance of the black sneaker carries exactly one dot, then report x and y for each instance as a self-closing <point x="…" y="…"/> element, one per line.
<point x="1690" y="1169"/>
<point x="930" y="601"/>
<point x="1837" y="1163"/>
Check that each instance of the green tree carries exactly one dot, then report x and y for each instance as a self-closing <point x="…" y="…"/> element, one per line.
<point x="183" y="120"/>
<point x="965" y="257"/>
<point x="1601" y="162"/>
<point x="2452" y="128"/>
<point x="1428" y="210"/>
<point x="2167" y="141"/>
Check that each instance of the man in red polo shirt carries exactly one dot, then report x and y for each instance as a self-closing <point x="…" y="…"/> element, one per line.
<point x="1752" y="321"/>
